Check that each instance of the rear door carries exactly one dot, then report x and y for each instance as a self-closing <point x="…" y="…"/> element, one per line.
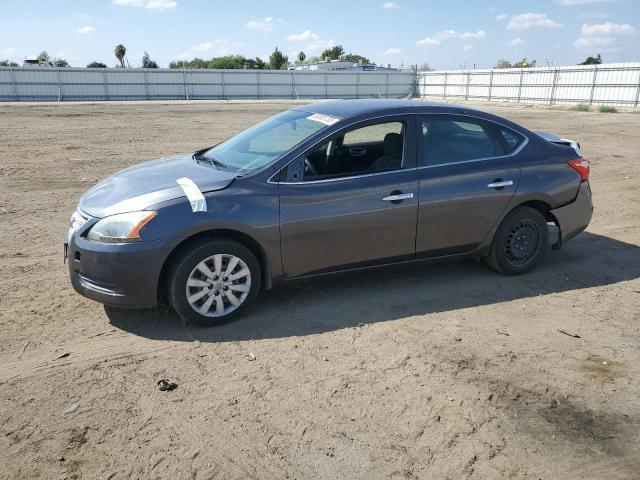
<point x="340" y="209"/>
<point x="467" y="175"/>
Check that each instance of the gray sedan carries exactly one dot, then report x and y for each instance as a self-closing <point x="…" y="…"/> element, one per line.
<point x="320" y="189"/>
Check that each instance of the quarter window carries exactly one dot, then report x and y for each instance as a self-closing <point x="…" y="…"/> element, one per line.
<point x="448" y="141"/>
<point x="371" y="149"/>
<point x="512" y="140"/>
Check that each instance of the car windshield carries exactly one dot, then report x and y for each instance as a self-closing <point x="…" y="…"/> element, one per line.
<point x="264" y="142"/>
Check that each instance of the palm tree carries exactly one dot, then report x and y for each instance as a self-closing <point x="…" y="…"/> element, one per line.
<point x="301" y="57"/>
<point x="120" y="52"/>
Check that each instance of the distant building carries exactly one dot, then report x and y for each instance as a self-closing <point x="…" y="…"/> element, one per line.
<point x="35" y="61"/>
<point x="341" y="65"/>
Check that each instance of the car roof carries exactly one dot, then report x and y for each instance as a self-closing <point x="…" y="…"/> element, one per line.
<point x="345" y="109"/>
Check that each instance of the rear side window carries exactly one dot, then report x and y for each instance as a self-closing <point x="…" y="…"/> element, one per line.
<point x="449" y="141"/>
<point x="512" y="140"/>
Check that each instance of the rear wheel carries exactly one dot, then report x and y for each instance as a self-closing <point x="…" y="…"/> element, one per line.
<point x="214" y="282"/>
<point x="520" y="242"/>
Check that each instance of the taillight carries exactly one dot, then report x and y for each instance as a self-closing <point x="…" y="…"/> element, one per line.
<point x="581" y="165"/>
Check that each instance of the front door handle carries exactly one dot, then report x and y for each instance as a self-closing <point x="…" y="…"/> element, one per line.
<point x="398" y="197"/>
<point x="499" y="183"/>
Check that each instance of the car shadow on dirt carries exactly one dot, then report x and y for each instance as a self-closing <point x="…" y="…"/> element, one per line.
<point x="347" y="300"/>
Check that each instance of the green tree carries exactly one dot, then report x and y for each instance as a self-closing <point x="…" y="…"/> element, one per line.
<point x="191" y="64"/>
<point x="96" y="65"/>
<point x="44" y="58"/>
<point x="120" y="51"/>
<point x="7" y="63"/>
<point x="301" y="57"/>
<point x="255" y="64"/>
<point x="147" y="62"/>
<point x="352" y="57"/>
<point x="278" y="61"/>
<point x="225" y="62"/>
<point x="524" y="63"/>
<point x="61" y="62"/>
<point x="597" y="60"/>
<point x="333" y="53"/>
<point x="425" y="68"/>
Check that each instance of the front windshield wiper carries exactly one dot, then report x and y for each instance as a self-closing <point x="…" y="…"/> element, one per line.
<point x="199" y="156"/>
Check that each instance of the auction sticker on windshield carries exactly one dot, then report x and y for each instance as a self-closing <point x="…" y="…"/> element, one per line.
<point x="326" y="119"/>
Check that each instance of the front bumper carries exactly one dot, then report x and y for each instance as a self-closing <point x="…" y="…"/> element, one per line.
<point x="121" y="275"/>
<point x="574" y="217"/>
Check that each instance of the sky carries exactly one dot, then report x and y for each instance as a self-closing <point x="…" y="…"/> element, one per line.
<point x="441" y="33"/>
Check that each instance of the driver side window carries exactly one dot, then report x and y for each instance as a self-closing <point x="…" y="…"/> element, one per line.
<point x="370" y="149"/>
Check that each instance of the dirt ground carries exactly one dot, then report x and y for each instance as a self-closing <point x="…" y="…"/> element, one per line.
<point x="441" y="372"/>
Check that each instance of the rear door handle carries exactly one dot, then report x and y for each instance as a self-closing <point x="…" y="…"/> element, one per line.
<point x="398" y="197"/>
<point x="500" y="183"/>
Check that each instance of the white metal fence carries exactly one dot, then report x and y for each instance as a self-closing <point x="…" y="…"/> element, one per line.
<point x="611" y="84"/>
<point x="60" y="84"/>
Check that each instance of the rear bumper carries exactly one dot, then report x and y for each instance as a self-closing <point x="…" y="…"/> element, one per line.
<point x="121" y="275"/>
<point x="574" y="217"/>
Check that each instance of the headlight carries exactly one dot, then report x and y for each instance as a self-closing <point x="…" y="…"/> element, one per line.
<point x="124" y="227"/>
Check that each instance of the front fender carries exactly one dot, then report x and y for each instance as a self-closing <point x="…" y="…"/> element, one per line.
<point x="252" y="211"/>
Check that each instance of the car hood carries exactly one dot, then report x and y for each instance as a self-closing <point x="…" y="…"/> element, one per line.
<point x="143" y="185"/>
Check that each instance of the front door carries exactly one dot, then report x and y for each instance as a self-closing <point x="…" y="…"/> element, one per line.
<point x="351" y="201"/>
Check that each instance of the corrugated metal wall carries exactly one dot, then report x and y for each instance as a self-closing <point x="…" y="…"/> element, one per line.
<point x="60" y="84"/>
<point x="611" y="84"/>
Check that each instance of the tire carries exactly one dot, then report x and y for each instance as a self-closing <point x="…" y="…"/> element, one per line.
<point x="217" y="300"/>
<point x="519" y="243"/>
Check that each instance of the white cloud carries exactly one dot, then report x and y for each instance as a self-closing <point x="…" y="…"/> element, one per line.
<point x="158" y="5"/>
<point x="479" y="34"/>
<point x="217" y="47"/>
<point x="570" y="3"/>
<point x="392" y="51"/>
<point x="607" y="28"/>
<point x="502" y="16"/>
<point x="602" y="35"/>
<point x="525" y="21"/>
<point x="317" y="46"/>
<point x="303" y="37"/>
<point x="594" y="15"/>
<point x="594" y="42"/>
<point x="87" y="29"/>
<point x="515" y="42"/>
<point x="264" y="25"/>
<point x="467" y="47"/>
<point x="314" y="43"/>
<point x="445" y="35"/>
<point x="390" y="5"/>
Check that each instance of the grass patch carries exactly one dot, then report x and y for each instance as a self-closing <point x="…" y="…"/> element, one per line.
<point x="607" y="109"/>
<point x="582" y="107"/>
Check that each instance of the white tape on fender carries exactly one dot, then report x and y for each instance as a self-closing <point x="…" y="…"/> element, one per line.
<point x="193" y="193"/>
<point x="326" y="119"/>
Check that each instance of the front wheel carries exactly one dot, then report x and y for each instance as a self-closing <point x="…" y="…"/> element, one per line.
<point x="520" y="242"/>
<point x="214" y="282"/>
